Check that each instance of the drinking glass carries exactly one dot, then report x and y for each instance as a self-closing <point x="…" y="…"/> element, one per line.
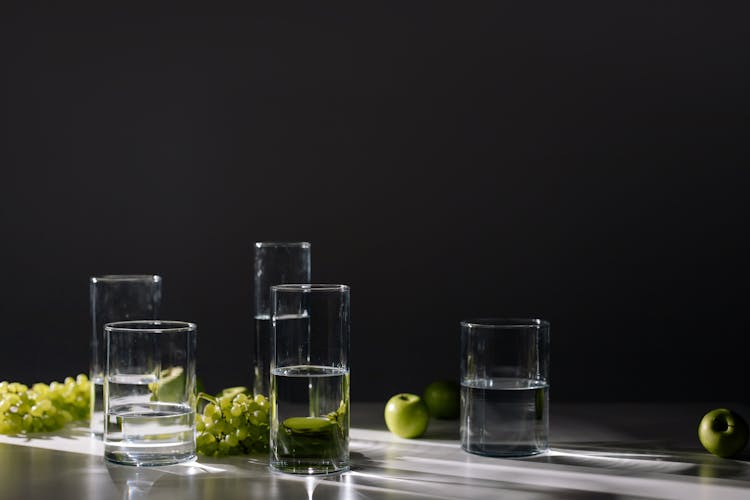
<point x="504" y="386"/>
<point x="149" y="392"/>
<point x="310" y="378"/>
<point x="275" y="264"/>
<point x="115" y="297"/>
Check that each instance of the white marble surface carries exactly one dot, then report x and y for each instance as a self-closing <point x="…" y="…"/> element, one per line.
<point x="597" y="451"/>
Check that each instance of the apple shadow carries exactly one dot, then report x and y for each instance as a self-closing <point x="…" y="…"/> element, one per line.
<point x="443" y="430"/>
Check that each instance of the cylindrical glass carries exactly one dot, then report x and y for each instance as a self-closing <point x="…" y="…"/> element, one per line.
<point x="115" y="297"/>
<point x="149" y="392"/>
<point x="275" y="264"/>
<point x="504" y="386"/>
<point x="310" y="379"/>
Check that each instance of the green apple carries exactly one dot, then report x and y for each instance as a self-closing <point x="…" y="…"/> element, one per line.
<point x="723" y="432"/>
<point x="311" y="438"/>
<point x="406" y="415"/>
<point x="170" y="386"/>
<point x="443" y="399"/>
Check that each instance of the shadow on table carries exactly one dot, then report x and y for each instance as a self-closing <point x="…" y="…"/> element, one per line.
<point x="436" y="429"/>
<point x="205" y="477"/>
<point x="647" y="458"/>
<point x="67" y="432"/>
<point x="409" y="477"/>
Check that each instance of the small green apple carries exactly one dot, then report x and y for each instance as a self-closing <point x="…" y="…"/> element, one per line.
<point x="443" y="399"/>
<point x="310" y="437"/>
<point x="170" y="387"/>
<point x="723" y="432"/>
<point x="406" y="415"/>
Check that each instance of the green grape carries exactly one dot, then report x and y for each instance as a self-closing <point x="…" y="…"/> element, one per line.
<point x="241" y="433"/>
<point x="224" y="403"/>
<point x="231" y="440"/>
<point x="232" y="423"/>
<point x="43" y="408"/>
<point x="199" y="425"/>
<point x="210" y="410"/>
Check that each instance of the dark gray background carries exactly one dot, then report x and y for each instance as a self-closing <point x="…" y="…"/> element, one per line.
<point x="583" y="162"/>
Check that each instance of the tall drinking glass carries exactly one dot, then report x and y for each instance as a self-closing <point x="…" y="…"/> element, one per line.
<point x="149" y="391"/>
<point x="310" y="379"/>
<point x="504" y="386"/>
<point x="275" y="264"/>
<point x="115" y="297"/>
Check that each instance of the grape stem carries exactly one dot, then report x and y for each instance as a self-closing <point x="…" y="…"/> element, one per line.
<point x="207" y="397"/>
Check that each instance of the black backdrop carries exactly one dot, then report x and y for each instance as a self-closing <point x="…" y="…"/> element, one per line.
<point x="584" y="162"/>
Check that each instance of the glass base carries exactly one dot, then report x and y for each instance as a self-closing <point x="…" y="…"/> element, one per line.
<point x="146" y="460"/>
<point x="309" y="467"/>
<point x="501" y="451"/>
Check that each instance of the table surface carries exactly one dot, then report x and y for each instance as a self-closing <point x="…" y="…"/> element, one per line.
<point x="597" y="451"/>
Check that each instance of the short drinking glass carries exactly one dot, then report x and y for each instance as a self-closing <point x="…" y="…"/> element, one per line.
<point x="310" y="379"/>
<point x="504" y="386"/>
<point x="116" y="297"/>
<point x="149" y="391"/>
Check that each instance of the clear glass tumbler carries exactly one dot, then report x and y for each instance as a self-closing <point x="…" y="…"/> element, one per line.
<point x="275" y="264"/>
<point x="115" y="297"/>
<point x="504" y="386"/>
<point x="149" y="392"/>
<point x="310" y="379"/>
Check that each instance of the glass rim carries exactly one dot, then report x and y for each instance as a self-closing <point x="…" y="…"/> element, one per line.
<point x="125" y="277"/>
<point x="274" y="244"/>
<point x="310" y="287"/>
<point x="504" y="323"/>
<point x="151" y="326"/>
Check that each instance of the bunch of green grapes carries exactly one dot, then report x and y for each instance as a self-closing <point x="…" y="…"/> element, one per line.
<point x="232" y="424"/>
<point x="43" y="408"/>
